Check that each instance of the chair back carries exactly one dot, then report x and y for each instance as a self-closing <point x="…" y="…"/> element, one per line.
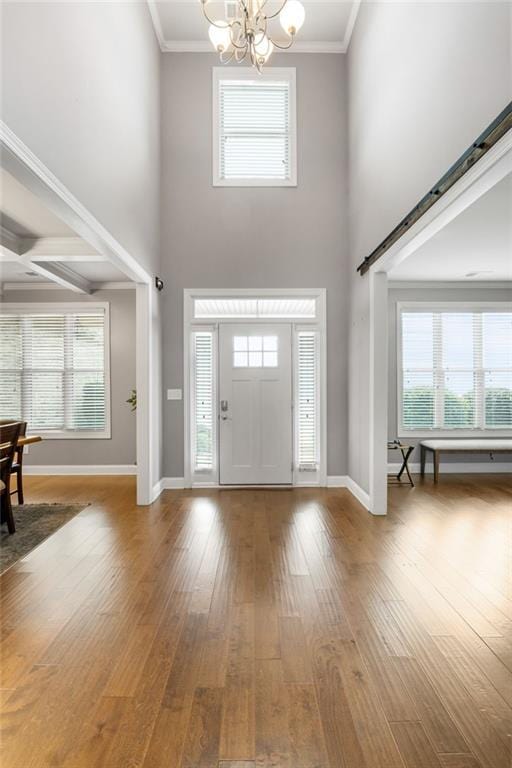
<point x="9" y="434"/>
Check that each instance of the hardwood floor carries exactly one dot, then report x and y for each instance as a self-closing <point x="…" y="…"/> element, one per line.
<point x="250" y="629"/>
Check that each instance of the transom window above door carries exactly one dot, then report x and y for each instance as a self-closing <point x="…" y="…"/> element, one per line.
<point x="255" y="351"/>
<point x="254" y="128"/>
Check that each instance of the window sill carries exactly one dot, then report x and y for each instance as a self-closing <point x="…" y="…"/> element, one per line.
<point x="454" y="433"/>
<point x="254" y="182"/>
<point x="69" y="435"/>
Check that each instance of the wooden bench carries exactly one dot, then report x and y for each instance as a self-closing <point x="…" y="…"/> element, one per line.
<point x="469" y="445"/>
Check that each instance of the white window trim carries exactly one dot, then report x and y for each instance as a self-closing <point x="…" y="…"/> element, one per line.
<point x="319" y="323"/>
<point x="69" y="308"/>
<point x="446" y="306"/>
<point x="246" y="73"/>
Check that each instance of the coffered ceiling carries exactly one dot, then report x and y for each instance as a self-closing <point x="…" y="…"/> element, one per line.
<point x="181" y="27"/>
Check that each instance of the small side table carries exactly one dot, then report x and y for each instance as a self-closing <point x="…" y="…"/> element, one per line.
<point x="406" y="451"/>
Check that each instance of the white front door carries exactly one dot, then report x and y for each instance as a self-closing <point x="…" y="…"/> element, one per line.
<point x="255" y="404"/>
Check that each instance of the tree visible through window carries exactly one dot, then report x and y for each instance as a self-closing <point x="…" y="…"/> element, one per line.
<point x="456" y="370"/>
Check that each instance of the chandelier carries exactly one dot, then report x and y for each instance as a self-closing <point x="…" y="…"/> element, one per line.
<point x="245" y="32"/>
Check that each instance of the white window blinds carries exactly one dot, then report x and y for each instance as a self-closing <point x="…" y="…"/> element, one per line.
<point x="456" y="370"/>
<point x="203" y="400"/>
<point x="52" y="370"/>
<point x="255" y="130"/>
<point x="307" y="399"/>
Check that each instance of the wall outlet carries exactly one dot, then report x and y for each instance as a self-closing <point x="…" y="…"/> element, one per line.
<point x="174" y="394"/>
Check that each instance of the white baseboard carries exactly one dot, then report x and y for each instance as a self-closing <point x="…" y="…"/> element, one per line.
<point x="167" y="483"/>
<point x="333" y="481"/>
<point x="344" y="481"/>
<point x="361" y="495"/>
<point x="157" y="490"/>
<point x="79" y="469"/>
<point x="452" y="467"/>
<point x="337" y="481"/>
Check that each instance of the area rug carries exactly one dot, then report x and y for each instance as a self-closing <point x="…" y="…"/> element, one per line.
<point x="34" y="523"/>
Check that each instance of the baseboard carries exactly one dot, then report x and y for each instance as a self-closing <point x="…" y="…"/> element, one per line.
<point x="468" y="467"/>
<point x="168" y="483"/>
<point x="344" y="481"/>
<point x="337" y="481"/>
<point x="356" y="490"/>
<point x="333" y="481"/>
<point x="79" y="469"/>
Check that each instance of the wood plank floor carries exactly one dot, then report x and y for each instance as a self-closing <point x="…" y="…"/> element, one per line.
<point x="244" y="629"/>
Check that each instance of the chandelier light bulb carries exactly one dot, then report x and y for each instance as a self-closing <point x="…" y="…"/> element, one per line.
<point x="243" y="32"/>
<point x="263" y="48"/>
<point x="220" y="36"/>
<point x="292" y="17"/>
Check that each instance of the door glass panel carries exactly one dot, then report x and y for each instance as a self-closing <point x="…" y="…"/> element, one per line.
<point x="255" y="343"/>
<point x="240" y="360"/>
<point x="255" y="359"/>
<point x="255" y="352"/>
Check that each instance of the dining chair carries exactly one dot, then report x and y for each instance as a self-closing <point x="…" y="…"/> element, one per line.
<point x="9" y="434"/>
<point x="17" y="464"/>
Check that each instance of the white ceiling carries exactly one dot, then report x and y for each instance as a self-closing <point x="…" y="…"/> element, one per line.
<point x="32" y="234"/>
<point x="180" y="24"/>
<point x="22" y="213"/>
<point x="477" y="245"/>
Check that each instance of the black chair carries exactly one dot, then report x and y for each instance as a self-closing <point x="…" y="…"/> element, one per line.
<point x="9" y="434"/>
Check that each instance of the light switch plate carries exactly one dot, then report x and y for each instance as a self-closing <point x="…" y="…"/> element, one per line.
<point x="174" y="394"/>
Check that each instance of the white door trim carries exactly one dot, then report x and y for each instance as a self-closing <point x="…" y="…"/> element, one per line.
<point x="319" y="323"/>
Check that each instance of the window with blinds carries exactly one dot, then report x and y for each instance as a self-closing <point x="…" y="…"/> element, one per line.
<point x="53" y="372"/>
<point x="203" y="400"/>
<point x="456" y="369"/>
<point x="307" y="421"/>
<point x="254" y="128"/>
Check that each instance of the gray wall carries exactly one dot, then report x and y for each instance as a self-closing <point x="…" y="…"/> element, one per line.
<point x="424" y="79"/>
<point x="120" y="449"/>
<point x="80" y="86"/>
<point x="254" y="237"/>
<point x="432" y="292"/>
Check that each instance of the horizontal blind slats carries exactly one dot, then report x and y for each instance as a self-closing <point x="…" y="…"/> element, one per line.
<point x="254" y="130"/>
<point x="456" y="369"/>
<point x="52" y="370"/>
<point x="307" y="421"/>
<point x="203" y="399"/>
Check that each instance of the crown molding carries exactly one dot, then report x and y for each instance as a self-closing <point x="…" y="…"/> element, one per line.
<point x="203" y="46"/>
<point x="351" y="24"/>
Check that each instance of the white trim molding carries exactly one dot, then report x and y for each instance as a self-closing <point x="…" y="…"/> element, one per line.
<point x="172" y="483"/>
<point x="80" y="469"/>
<point x="190" y="323"/>
<point x="247" y="74"/>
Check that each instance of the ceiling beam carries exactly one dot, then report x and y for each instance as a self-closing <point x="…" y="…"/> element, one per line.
<point x="13" y="249"/>
<point x="61" y="275"/>
<point x="10" y="246"/>
<point x="59" y="249"/>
